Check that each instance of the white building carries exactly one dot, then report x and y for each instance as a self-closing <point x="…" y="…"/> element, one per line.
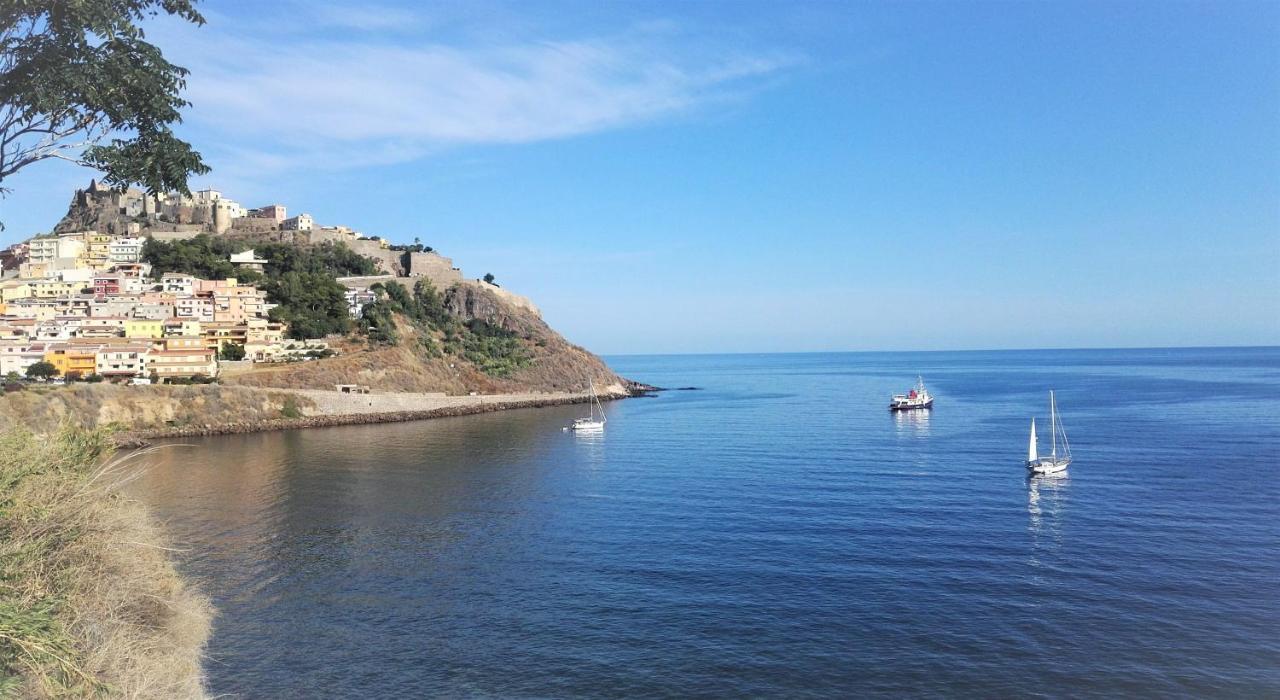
<point x="122" y="362"/>
<point x="81" y="275"/>
<point x="208" y="196"/>
<point x="125" y="250"/>
<point x="301" y="222"/>
<point x="18" y="357"/>
<point x="176" y="283"/>
<point x="194" y="308"/>
<point x="248" y="260"/>
<point x="356" y="299"/>
<point x="50" y="249"/>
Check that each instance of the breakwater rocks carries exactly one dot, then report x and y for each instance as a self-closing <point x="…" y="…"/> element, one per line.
<point x="637" y="389"/>
<point x="141" y="438"/>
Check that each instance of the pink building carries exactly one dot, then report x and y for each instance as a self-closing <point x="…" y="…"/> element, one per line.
<point x="271" y="211"/>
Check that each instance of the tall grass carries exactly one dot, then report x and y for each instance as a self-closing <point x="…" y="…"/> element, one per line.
<point x="90" y="604"/>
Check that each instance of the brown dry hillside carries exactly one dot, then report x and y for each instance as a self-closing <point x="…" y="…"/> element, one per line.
<point x="553" y="363"/>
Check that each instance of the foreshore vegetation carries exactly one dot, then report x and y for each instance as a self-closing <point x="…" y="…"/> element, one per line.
<point x="90" y="603"/>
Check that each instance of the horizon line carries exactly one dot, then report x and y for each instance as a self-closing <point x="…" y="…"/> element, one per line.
<point x="852" y="352"/>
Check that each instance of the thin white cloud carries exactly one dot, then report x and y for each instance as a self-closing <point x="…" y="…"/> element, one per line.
<point x="368" y="18"/>
<point x="332" y="103"/>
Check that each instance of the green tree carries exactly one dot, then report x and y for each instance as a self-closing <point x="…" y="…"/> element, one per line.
<point x="42" y="370"/>
<point x="488" y="277"/>
<point x="79" y="82"/>
<point x="231" y="351"/>
<point x="312" y="303"/>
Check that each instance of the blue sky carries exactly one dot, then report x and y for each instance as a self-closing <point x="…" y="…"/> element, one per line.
<point x="703" y="177"/>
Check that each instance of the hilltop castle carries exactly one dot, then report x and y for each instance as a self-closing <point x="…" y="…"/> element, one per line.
<point x="174" y="216"/>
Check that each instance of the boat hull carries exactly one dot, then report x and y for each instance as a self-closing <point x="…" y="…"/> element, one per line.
<point x="910" y="405"/>
<point x="1048" y="466"/>
<point x="588" y="426"/>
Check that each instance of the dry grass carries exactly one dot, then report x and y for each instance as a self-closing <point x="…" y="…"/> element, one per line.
<point x="556" y="365"/>
<point x="90" y="604"/>
<point x="91" y="406"/>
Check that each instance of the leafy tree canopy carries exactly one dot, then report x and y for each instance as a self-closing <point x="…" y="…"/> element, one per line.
<point x="79" y="82"/>
<point x="206" y="256"/>
<point x="42" y="370"/>
<point x="231" y="351"/>
<point x="312" y="303"/>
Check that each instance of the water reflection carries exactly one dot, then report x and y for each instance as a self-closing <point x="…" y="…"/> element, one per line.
<point x="591" y="445"/>
<point x="912" y="423"/>
<point x="1046" y="505"/>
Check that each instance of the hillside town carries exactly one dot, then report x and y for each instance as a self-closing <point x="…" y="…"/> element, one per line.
<point x="82" y="301"/>
<point x="83" y="304"/>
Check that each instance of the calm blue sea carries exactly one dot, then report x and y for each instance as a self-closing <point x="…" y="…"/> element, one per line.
<point x="776" y="533"/>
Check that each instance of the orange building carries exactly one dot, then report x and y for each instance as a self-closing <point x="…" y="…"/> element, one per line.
<point x="72" y="358"/>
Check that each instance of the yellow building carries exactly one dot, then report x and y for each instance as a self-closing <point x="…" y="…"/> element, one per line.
<point x="72" y="358"/>
<point x="143" y="328"/>
<point x="52" y="289"/>
<point x="168" y="364"/>
<point x="184" y="343"/>
<point x="15" y="290"/>
<point x="218" y="333"/>
<point x="97" y="250"/>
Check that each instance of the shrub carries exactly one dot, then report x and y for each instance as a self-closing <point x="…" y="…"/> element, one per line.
<point x="290" y="409"/>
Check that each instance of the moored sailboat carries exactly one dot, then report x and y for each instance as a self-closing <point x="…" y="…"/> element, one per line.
<point x="593" y="423"/>
<point x="1054" y="463"/>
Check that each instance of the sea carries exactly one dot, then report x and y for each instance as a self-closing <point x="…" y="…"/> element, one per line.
<point x="767" y="528"/>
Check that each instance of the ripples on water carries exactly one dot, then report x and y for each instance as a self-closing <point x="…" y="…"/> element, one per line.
<point x="777" y="533"/>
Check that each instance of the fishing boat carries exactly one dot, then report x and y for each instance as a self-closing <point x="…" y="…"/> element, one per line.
<point x="1054" y="463"/>
<point x="916" y="398"/>
<point x="595" y="420"/>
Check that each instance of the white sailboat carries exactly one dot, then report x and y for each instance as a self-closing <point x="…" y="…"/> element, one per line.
<point x="1054" y="463"/>
<point x="593" y="423"/>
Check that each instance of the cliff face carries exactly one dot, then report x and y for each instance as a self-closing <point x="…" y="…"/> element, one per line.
<point x="105" y="211"/>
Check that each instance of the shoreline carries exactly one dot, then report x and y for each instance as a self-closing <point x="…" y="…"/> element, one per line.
<point x="452" y="406"/>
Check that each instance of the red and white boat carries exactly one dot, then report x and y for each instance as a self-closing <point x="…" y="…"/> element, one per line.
<point x="916" y="398"/>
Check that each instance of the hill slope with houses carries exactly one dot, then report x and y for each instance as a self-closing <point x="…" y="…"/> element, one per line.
<point x="131" y="287"/>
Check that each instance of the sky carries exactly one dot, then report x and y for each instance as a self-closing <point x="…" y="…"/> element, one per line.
<point x="769" y="177"/>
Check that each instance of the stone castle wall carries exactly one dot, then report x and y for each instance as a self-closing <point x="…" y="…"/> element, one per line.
<point x="388" y="260"/>
<point x="435" y="267"/>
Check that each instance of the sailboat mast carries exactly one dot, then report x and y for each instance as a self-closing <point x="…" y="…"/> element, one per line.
<point x="1053" y="423"/>
<point x="595" y="401"/>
